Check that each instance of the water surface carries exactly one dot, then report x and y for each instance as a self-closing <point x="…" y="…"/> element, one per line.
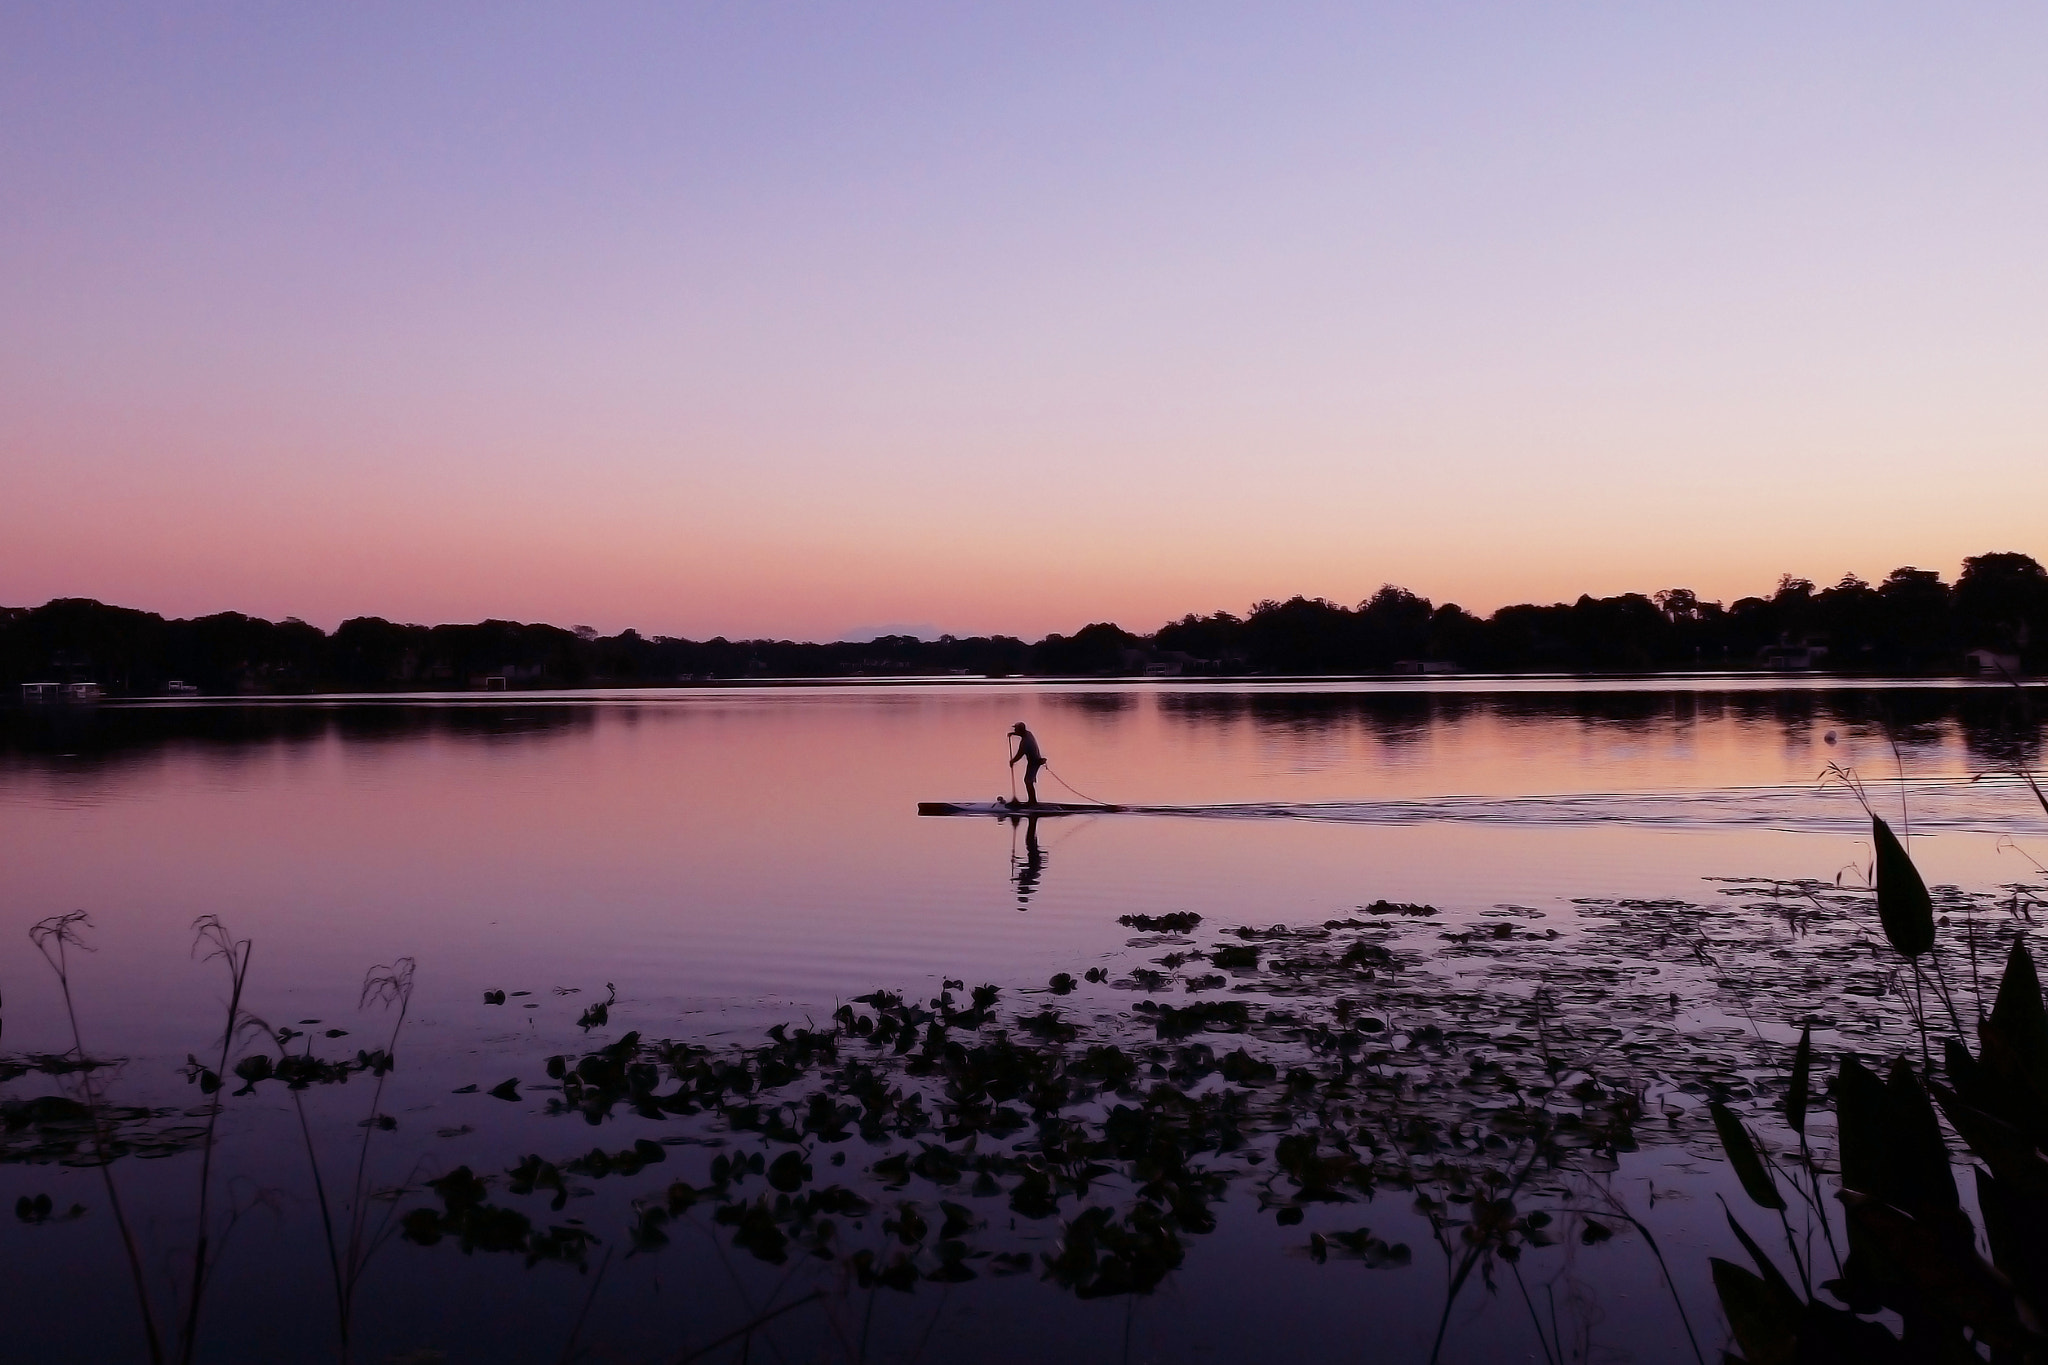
<point x="725" y="859"/>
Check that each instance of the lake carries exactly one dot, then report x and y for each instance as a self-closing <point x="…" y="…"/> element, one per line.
<point x="1441" y="860"/>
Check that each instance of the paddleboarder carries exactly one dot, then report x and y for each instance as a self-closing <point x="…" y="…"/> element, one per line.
<point x="1028" y="754"/>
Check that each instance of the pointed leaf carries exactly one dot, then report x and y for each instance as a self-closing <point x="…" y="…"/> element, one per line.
<point x="2016" y="1161"/>
<point x="1938" y="1270"/>
<point x="1745" y="1158"/>
<point x="1862" y="1116"/>
<point x="1963" y="1071"/>
<point x="2012" y="1224"/>
<point x="1922" y="1182"/>
<point x="1801" y="1090"/>
<point x="1903" y="905"/>
<point x="2015" y="1044"/>
<point x="1780" y="1287"/>
<point x="2018" y="1011"/>
<point x="1769" y="1335"/>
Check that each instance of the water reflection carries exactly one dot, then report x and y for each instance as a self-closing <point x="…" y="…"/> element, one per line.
<point x="1998" y="725"/>
<point x="1025" y="871"/>
<point x="106" y="738"/>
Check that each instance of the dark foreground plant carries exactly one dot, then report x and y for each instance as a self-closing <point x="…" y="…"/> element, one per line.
<point x="90" y="1131"/>
<point x="54" y="938"/>
<point x="351" y="1244"/>
<point x="1913" y="1252"/>
<point x="221" y="946"/>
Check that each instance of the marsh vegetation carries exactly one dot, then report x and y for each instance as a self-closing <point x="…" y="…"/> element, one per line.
<point x="1458" y="1106"/>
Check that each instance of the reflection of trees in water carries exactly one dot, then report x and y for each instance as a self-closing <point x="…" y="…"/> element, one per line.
<point x="1099" y="711"/>
<point x="2005" y="733"/>
<point x="1390" y="718"/>
<point x="1998" y="727"/>
<point x="110" y="738"/>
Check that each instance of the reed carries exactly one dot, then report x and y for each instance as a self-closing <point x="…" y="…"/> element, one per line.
<point x="350" y="1246"/>
<point x="54" y="938"/>
<point x="220" y="946"/>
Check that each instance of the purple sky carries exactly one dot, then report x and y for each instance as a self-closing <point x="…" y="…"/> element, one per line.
<point x="764" y="319"/>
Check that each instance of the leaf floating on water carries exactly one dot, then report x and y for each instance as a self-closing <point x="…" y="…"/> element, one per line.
<point x="789" y="1172"/>
<point x="1903" y="905"/>
<point x="506" y="1090"/>
<point x="1383" y="907"/>
<point x="1179" y="922"/>
<point x="41" y="1210"/>
<point x="494" y="997"/>
<point x="1361" y="1245"/>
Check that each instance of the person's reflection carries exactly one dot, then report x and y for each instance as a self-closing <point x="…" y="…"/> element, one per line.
<point x="1026" y="871"/>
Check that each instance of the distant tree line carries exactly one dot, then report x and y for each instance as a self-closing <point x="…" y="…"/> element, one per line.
<point x="1912" y="622"/>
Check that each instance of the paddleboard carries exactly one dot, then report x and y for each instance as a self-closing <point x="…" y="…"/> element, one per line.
<point x="1012" y="809"/>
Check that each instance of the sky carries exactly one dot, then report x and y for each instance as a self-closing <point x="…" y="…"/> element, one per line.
<point x="761" y="319"/>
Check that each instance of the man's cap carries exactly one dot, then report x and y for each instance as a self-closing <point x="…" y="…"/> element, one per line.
<point x="1018" y="728"/>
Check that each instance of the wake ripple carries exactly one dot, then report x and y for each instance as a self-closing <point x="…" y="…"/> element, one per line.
<point x="1992" y="805"/>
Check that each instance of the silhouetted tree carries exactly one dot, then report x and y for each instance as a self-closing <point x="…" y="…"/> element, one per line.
<point x="1216" y="638"/>
<point x="1910" y="622"/>
<point x="1093" y="649"/>
<point x="2000" y="601"/>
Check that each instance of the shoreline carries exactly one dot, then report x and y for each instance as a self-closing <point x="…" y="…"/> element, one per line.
<point x="1673" y="681"/>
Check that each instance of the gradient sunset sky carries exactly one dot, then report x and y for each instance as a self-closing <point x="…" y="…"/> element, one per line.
<point x="765" y="319"/>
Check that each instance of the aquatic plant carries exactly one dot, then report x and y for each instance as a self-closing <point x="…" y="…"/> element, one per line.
<point x="1109" y="1143"/>
<point x="349" y="1248"/>
<point x="89" y="1130"/>
<point x="1491" y="1073"/>
<point x="54" y="938"/>
<point x="221" y="946"/>
<point x="1912" y="1249"/>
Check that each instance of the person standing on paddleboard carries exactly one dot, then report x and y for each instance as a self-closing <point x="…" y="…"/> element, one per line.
<point x="1028" y="754"/>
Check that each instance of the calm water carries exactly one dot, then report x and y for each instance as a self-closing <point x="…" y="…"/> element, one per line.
<point x="728" y="859"/>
